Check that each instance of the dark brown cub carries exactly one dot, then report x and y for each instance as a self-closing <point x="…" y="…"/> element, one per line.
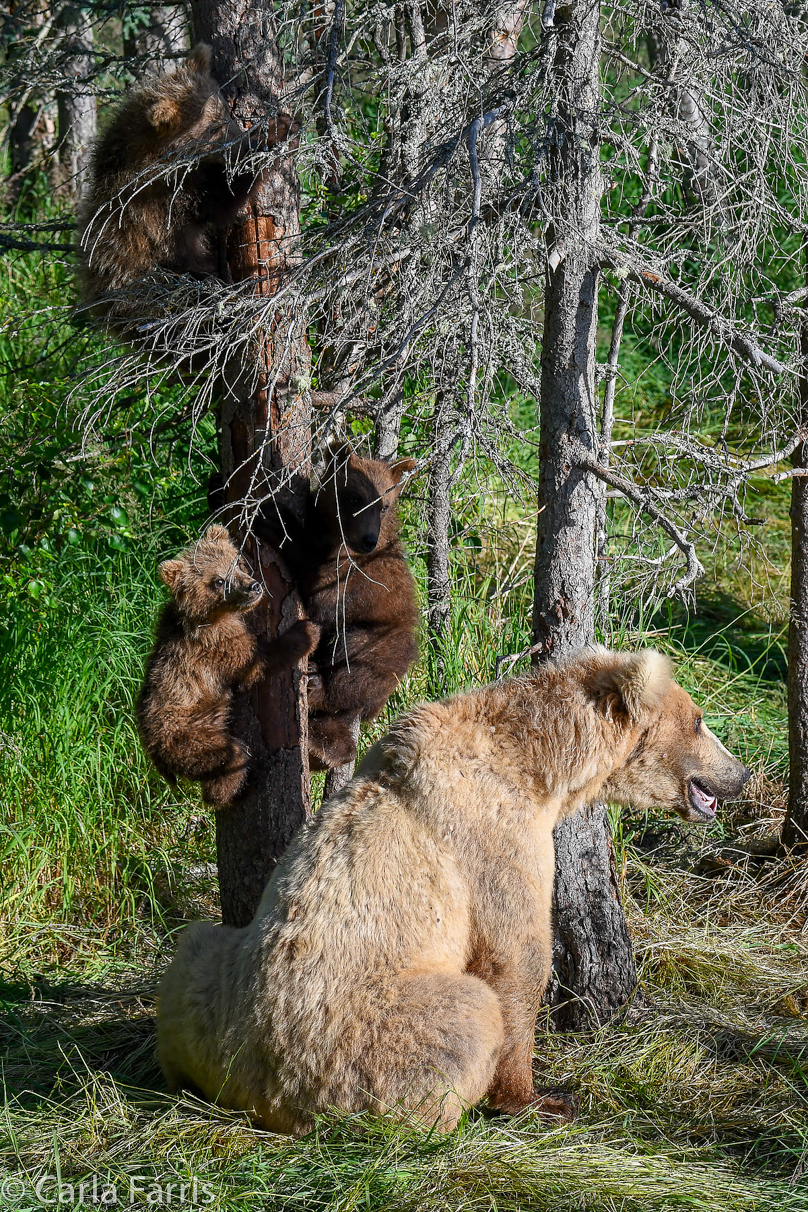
<point x="169" y="175"/>
<point x="349" y="566"/>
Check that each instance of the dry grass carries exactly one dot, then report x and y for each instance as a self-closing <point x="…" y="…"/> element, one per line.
<point x="698" y="1097"/>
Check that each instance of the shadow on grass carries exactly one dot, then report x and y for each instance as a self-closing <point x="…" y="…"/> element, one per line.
<point x="53" y="1035"/>
<point x="734" y="637"/>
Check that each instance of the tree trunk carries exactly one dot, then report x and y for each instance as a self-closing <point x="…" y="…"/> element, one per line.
<point x="25" y="129"/>
<point x="76" y="105"/>
<point x="439" y="509"/>
<point x="795" y="826"/>
<point x="594" y="967"/>
<point x="268" y="433"/>
<point x="21" y="139"/>
<point x="338" y="776"/>
<point x="700" y="175"/>
<point x="161" y="42"/>
<point x="387" y="427"/>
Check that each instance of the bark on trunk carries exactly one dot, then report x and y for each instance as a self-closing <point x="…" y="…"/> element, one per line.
<point x="271" y="429"/>
<point x="437" y="559"/>
<point x="338" y="776"/>
<point x="795" y="826"/>
<point x="76" y="104"/>
<point x="387" y="428"/>
<point x="594" y="964"/>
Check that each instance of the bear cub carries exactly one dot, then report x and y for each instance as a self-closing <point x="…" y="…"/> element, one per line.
<point x="146" y="205"/>
<point x="349" y="565"/>
<point x="204" y="651"/>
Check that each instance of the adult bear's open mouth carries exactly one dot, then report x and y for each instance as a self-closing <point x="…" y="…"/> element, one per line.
<point x="701" y="801"/>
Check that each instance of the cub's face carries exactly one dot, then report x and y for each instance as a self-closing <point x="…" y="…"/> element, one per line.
<point x="211" y="578"/>
<point x="360" y="511"/>
<point x="360" y="497"/>
<point x="677" y="763"/>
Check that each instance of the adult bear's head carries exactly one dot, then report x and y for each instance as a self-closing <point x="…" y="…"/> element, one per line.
<point x="673" y="760"/>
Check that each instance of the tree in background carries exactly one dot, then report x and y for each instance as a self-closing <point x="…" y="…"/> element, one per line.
<point x="155" y="37"/>
<point x="76" y="99"/>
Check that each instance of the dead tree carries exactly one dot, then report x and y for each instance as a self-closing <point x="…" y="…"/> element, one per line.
<point x="594" y="972"/>
<point x="76" y="98"/>
<point x="795" y="826"/>
<point x="439" y="517"/>
<point x="264" y="417"/>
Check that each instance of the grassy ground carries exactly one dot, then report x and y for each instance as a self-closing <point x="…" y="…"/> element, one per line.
<point x="698" y="1097"/>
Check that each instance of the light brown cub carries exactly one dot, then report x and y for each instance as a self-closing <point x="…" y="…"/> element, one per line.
<point x="204" y="651"/>
<point x="355" y="986"/>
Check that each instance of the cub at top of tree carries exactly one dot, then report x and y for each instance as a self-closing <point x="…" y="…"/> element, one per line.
<point x="349" y="565"/>
<point x="205" y="650"/>
<point x="168" y="176"/>
<point x="399" y="955"/>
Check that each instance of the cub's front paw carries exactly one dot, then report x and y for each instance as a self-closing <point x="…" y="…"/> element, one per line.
<point x="302" y="638"/>
<point x="330" y="741"/>
<point x="227" y="784"/>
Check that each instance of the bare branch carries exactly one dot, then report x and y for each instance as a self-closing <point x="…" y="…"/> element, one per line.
<point x="629" y="266"/>
<point x="643" y="499"/>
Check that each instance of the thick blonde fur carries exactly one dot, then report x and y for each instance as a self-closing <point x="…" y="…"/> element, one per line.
<point x="401" y="949"/>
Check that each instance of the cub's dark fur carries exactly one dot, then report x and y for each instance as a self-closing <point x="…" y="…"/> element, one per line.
<point x="147" y="204"/>
<point x="349" y="566"/>
<point x="205" y="649"/>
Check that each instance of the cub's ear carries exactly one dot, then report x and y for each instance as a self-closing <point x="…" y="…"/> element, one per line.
<point x="164" y="115"/>
<point x="200" y="59"/>
<point x="632" y="682"/>
<point x="338" y="448"/>
<point x="170" y="572"/>
<point x="401" y="468"/>
<point x="215" y="533"/>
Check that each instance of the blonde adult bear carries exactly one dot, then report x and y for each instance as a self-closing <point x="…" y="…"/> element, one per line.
<point x="401" y="949"/>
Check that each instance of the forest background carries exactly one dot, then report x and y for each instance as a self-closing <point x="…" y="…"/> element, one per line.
<point x="697" y="1096"/>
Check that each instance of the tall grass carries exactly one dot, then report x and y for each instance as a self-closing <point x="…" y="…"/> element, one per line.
<point x="88" y="831"/>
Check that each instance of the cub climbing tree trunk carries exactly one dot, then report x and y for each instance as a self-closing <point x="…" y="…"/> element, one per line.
<point x="265" y="439"/>
<point x="594" y="971"/>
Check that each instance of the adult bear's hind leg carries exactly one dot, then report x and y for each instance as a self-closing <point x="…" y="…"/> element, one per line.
<point x="437" y="1050"/>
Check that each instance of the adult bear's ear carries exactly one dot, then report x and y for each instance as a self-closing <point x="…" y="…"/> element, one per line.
<point x="170" y="571"/>
<point x="633" y="683"/>
<point x="401" y="468"/>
